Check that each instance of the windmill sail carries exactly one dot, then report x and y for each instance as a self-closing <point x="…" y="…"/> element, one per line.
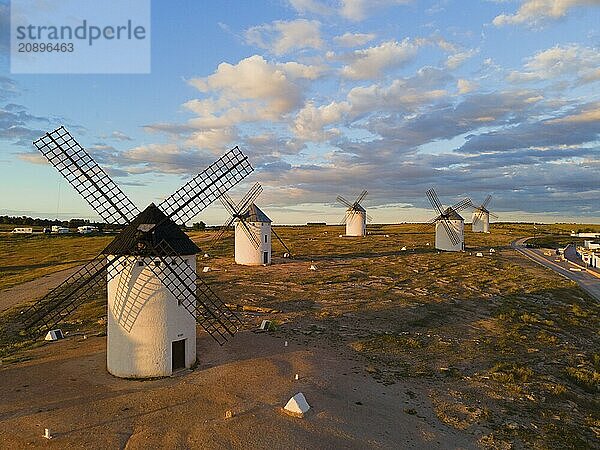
<point x="64" y="299"/>
<point x="444" y="216"/>
<point x="86" y="176"/>
<point x="202" y="303"/>
<point x="190" y="199"/>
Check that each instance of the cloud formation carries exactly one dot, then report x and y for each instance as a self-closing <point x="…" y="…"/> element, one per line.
<point x="372" y="62"/>
<point x="533" y="12"/>
<point x="281" y="37"/>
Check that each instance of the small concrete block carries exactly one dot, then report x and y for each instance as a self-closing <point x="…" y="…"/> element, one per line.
<point x="479" y="254"/>
<point x="313" y="267"/>
<point x="403" y="249"/>
<point x="47" y="433"/>
<point x="206" y="269"/>
<point x="54" y="335"/>
<point x="265" y="325"/>
<point x="228" y="414"/>
<point x="297" y="406"/>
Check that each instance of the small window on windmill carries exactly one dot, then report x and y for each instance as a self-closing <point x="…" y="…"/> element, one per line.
<point x="140" y="263"/>
<point x="173" y="262"/>
<point x="157" y="263"/>
<point x="266" y="238"/>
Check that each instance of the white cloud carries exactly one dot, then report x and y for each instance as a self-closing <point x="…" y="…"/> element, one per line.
<point x="373" y="61"/>
<point x="271" y="87"/>
<point x="589" y="114"/>
<point x="532" y="12"/>
<point x="575" y="63"/>
<point x="457" y="59"/>
<point x="357" y="10"/>
<point x="120" y="136"/>
<point x="354" y="10"/>
<point x="281" y="37"/>
<point x="214" y="139"/>
<point x="353" y="39"/>
<point x="311" y="120"/>
<point x="465" y="86"/>
<point x="405" y="96"/>
<point x="311" y="6"/>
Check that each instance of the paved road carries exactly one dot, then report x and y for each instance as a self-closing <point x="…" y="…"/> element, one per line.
<point x="586" y="281"/>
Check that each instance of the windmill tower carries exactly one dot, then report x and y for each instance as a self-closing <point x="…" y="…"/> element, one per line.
<point x="481" y="217"/>
<point x="356" y="216"/>
<point x="252" y="229"/>
<point x="155" y="298"/>
<point x="449" y="225"/>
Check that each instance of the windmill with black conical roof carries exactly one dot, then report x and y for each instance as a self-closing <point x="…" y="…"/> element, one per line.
<point x="356" y="216"/>
<point x="252" y="227"/>
<point x="481" y="217"/>
<point x="449" y="224"/>
<point x="155" y="297"/>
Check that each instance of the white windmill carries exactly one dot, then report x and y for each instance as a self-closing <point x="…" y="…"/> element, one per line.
<point x="356" y="216"/>
<point x="252" y="229"/>
<point x="155" y="298"/>
<point x="449" y="225"/>
<point x="481" y="217"/>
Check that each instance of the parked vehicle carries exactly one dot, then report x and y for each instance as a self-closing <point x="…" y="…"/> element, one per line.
<point x="57" y="229"/>
<point x="23" y="230"/>
<point x="86" y="229"/>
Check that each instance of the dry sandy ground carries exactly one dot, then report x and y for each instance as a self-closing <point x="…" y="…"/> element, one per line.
<point x="65" y="387"/>
<point x="32" y="289"/>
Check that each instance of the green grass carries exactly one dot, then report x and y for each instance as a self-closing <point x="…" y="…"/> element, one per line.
<point x="27" y="257"/>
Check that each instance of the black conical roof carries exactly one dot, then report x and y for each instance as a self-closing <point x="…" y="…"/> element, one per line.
<point x="255" y="214"/>
<point x="451" y="214"/>
<point x="126" y="243"/>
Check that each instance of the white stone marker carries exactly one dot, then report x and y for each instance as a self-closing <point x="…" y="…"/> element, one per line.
<point x="297" y="406"/>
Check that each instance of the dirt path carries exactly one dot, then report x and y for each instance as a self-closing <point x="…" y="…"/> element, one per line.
<point x="30" y="290"/>
<point x="65" y="387"/>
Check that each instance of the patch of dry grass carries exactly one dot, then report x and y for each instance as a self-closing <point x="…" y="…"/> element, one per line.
<point x="504" y="345"/>
<point x="27" y="257"/>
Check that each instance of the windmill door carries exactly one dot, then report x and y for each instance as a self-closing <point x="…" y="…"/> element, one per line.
<point x="178" y="355"/>
<point x="265" y="257"/>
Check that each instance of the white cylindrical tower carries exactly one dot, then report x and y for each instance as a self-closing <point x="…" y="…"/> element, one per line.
<point x="151" y="323"/>
<point x="259" y="225"/>
<point x="480" y="222"/>
<point x="356" y="221"/>
<point x="150" y="333"/>
<point x="442" y="240"/>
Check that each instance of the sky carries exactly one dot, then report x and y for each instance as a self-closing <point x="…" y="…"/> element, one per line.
<point x="327" y="98"/>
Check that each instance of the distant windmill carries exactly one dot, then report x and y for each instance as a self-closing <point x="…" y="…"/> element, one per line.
<point x="481" y="217"/>
<point x="356" y="216"/>
<point x="155" y="297"/>
<point x="449" y="225"/>
<point x="252" y="229"/>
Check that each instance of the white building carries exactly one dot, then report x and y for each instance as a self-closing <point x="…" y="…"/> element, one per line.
<point x="480" y="221"/>
<point x="60" y="230"/>
<point x="591" y="245"/>
<point x="253" y="238"/>
<point x="356" y="221"/>
<point x="455" y="222"/>
<point x="586" y="235"/>
<point x="150" y="333"/>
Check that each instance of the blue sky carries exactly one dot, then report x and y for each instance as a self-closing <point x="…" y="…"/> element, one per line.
<point x="328" y="98"/>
